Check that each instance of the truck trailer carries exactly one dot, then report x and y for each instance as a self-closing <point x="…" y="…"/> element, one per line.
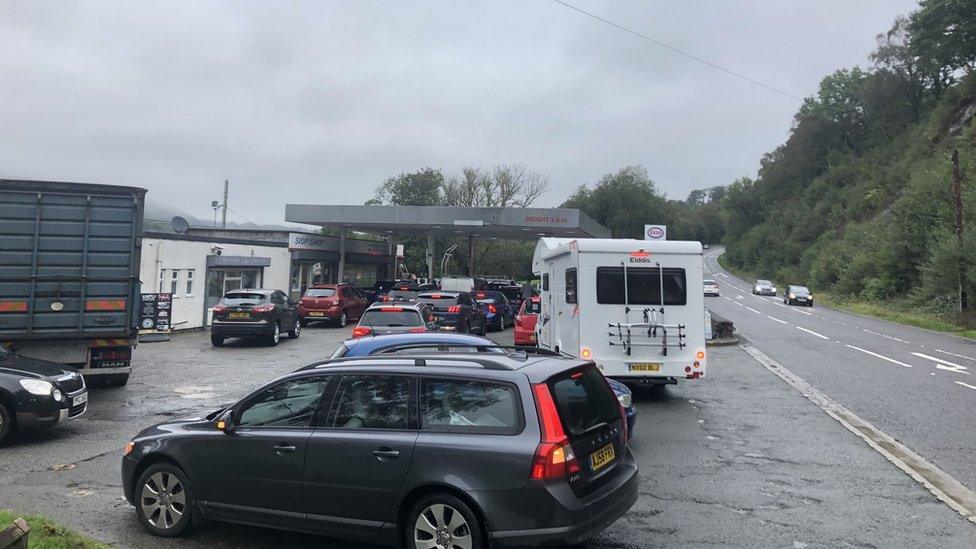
<point x="69" y="274"/>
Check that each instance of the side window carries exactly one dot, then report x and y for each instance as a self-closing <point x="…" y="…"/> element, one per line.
<point x="469" y="406"/>
<point x="291" y="403"/>
<point x="373" y="402"/>
<point x="545" y="282"/>
<point x="571" y="285"/>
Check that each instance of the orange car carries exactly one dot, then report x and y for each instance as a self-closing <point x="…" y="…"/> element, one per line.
<point x="525" y="321"/>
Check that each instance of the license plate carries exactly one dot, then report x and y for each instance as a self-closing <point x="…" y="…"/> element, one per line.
<point x="602" y="457"/>
<point x="80" y="399"/>
<point x="316" y="313"/>
<point x="238" y="315"/>
<point x="644" y="367"/>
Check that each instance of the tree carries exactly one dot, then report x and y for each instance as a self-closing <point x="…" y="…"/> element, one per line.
<point x="623" y="202"/>
<point x="943" y="36"/>
<point x="507" y="185"/>
<point x="419" y="188"/>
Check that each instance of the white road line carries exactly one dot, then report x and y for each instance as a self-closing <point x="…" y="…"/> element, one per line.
<point x="726" y="298"/>
<point x="966" y="385"/>
<point x="954" y="354"/>
<point x="812" y="332"/>
<point x="882" y="357"/>
<point x="739" y="304"/>
<point x="738" y="297"/>
<point x="776" y="319"/>
<point x="942" y="485"/>
<point x="841" y="323"/>
<point x="804" y="312"/>
<point x="753" y="310"/>
<point x="944" y="364"/>
<point x="885" y="335"/>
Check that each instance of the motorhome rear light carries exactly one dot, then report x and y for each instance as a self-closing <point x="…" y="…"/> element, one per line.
<point x="585" y="353"/>
<point x="640" y="253"/>
<point x="361" y="331"/>
<point x="687" y="369"/>
<point x="391" y="309"/>
<point x="454" y="309"/>
<point x="700" y="355"/>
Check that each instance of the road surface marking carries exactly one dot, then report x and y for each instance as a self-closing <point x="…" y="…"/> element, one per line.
<point x="726" y="298"/>
<point x="942" y="485"/>
<point x="966" y="385"/>
<point x="804" y="312"/>
<point x="753" y="310"/>
<point x="885" y="335"/>
<point x="739" y="304"/>
<point x="944" y="364"/>
<point x="738" y="297"/>
<point x="954" y="354"/>
<point x="882" y="357"/>
<point x="812" y="332"/>
<point x="776" y="319"/>
<point x="841" y="323"/>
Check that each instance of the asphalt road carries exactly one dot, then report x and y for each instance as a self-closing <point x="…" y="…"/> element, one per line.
<point x="737" y="459"/>
<point x="916" y="385"/>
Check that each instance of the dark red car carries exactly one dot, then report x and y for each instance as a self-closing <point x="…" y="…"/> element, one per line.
<point x="525" y="321"/>
<point x="338" y="303"/>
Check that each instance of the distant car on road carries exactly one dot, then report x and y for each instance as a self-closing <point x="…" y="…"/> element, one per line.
<point x="36" y="393"/>
<point x="422" y="451"/>
<point x="395" y="318"/>
<point x="798" y="295"/>
<point x="710" y="286"/>
<point x="259" y="313"/>
<point x="337" y="303"/>
<point x="456" y="311"/>
<point x="763" y="287"/>
<point x="525" y="321"/>
<point x="499" y="311"/>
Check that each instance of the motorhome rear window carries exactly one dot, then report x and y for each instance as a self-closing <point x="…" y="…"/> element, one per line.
<point x="643" y="286"/>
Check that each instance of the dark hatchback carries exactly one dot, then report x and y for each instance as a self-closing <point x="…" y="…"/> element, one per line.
<point x="37" y="393"/>
<point x="260" y="314"/>
<point x="421" y="451"/>
<point x="456" y="311"/>
<point x="499" y="312"/>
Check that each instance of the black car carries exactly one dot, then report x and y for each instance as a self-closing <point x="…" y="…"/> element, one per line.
<point x="439" y="450"/>
<point x="798" y="295"/>
<point x="37" y="393"/>
<point x="499" y="311"/>
<point x="260" y="314"/>
<point x="456" y="311"/>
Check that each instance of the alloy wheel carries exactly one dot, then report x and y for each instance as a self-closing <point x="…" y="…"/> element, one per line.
<point x="343" y="319"/>
<point x="163" y="500"/>
<point x="441" y="526"/>
<point x="276" y="334"/>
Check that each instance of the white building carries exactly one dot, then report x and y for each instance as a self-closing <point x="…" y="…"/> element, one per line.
<point x="200" y="266"/>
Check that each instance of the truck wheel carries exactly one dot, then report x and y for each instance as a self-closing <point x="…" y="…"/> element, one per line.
<point x="116" y="380"/>
<point x="216" y="340"/>
<point x="6" y="422"/>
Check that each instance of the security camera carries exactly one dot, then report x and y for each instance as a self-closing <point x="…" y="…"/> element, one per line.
<point x="217" y="250"/>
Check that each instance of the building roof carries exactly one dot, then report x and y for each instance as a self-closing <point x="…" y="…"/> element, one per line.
<point x="507" y="223"/>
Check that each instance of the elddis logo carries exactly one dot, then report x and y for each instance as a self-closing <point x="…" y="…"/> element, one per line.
<point x="640" y="259"/>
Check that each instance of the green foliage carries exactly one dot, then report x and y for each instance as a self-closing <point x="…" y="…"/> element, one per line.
<point x="47" y="534"/>
<point x="419" y="188"/>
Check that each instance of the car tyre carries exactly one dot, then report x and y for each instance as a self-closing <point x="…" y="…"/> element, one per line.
<point x="164" y="500"/>
<point x="342" y="320"/>
<point x="6" y="422"/>
<point x="275" y="336"/>
<point x="216" y="340"/>
<point x="295" y="332"/>
<point x="443" y="516"/>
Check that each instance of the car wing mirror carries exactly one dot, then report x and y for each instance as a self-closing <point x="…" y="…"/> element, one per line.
<point x="225" y="421"/>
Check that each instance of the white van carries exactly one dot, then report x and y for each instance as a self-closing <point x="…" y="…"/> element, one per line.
<point x="634" y="307"/>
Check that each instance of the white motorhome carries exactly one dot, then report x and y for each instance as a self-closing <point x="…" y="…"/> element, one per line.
<point x="634" y="307"/>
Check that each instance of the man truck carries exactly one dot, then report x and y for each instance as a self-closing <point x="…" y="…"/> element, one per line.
<point x="69" y="274"/>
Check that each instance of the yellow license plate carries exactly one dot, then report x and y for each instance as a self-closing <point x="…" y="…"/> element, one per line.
<point x="602" y="457"/>
<point x="644" y="367"/>
<point x="316" y="313"/>
<point x="239" y="315"/>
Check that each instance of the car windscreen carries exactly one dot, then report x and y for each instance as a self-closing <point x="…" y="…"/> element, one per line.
<point x="643" y="286"/>
<point x="584" y="400"/>
<point x="709" y="282"/>
<point x="763" y="283"/>
<point x="391" y="316"/>
<point x="320" y="292"/>
<point x="242" y="298"/>
<point x="799" y="290"/>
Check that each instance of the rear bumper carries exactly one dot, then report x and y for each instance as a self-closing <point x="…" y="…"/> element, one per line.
<point x="328" y="313"/>
<point x="241" y="329"/>
<point x="578" y="520"/>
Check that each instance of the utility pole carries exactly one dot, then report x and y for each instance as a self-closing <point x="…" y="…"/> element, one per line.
<point x="957" y="197"/>
<point x="223" y="215"/>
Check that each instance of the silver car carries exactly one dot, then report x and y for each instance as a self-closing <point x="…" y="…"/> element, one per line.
<point x="763" y="287"/>
<point x="710" y="286"/>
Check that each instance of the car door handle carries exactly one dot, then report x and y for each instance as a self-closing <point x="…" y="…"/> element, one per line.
<point x="386" y="453"/>
<point x="284" y="448"/>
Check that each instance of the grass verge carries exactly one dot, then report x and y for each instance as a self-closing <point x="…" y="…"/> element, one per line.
<point x="47" y="534"/>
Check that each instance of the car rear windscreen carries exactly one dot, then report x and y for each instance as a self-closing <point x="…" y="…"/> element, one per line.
<point x="320" y="292"/>
<point x="241" y="298"/>
<point x="709" y="282"/>
<point x="533" y="307"/>
<point x="438" y="300"/>
<point x="380" y="317"/>
<point x="643" y="286"/>
<point x="584" y="400"/>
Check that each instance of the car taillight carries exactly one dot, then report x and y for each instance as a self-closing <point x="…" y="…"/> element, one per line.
<point x="263" y="308"/>
<point x="418" y="330"/>
<point x="454" y="309"/>
<point x="335" y="301"/>
<point x="386" y="298"/>
<point x="623" y="424"/>
<point x="518" y="320"/>
<point x="554" y="456"/>
<point x="220" y="308"/>
<point x="391" y="309"/>
<point x="492" y="309"/>
<point x="361" y="331"/>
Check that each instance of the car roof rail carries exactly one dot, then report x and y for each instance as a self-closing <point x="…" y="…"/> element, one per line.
<point x="486" y="362"/>
<point x="519" y="352"/>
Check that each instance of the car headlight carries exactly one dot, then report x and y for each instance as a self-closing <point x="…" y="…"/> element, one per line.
<point x="792" y="296"/>
<point x="37" y="386"/>
<point x="625" y="400"/>
<point x="774" y="290"/>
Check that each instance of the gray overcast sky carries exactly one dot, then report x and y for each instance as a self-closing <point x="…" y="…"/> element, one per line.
<point x="320" y="101"/>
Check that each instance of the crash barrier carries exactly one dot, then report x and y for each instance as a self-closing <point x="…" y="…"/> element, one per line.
<point x="15" y="535"/>
<point x="722" y="328"/>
